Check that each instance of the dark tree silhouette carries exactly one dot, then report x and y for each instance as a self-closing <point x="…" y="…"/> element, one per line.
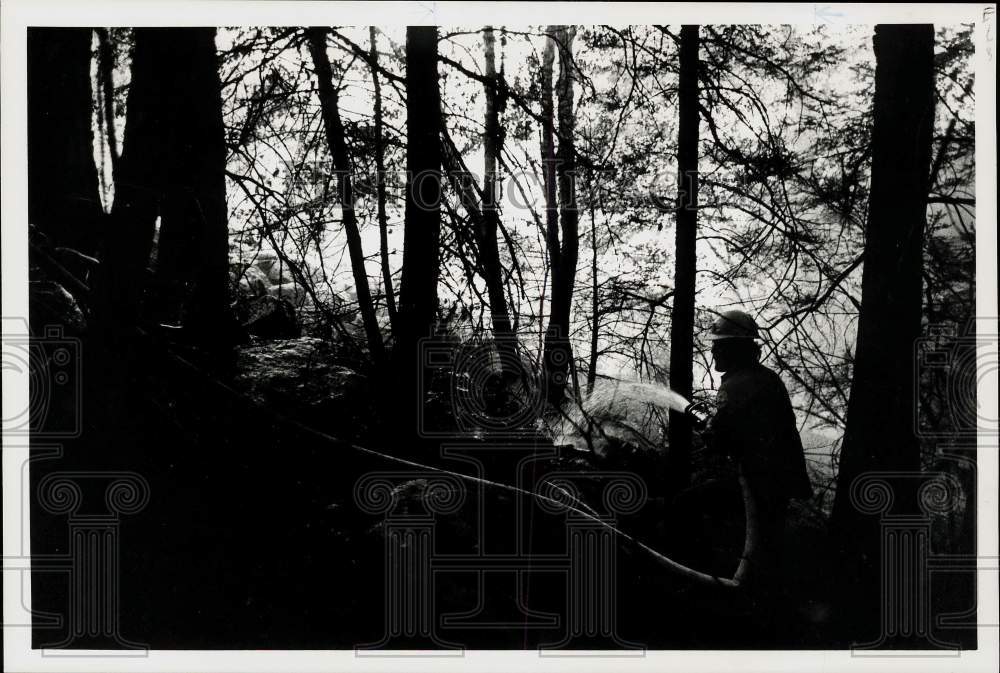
<point x="342" y="167"/>
<point x="685" y="260"/>
<point x="418" y="297"/>
<point x="138" y="188"/>
<point x="488" y="247"/>
<point x="63" y="198"/>
<point x="173" y="167"/>
<point x="562" y="221"/>
<point x="197" y="195"/>
<point x="880" y="417"/>
<point x="379" y="149"/>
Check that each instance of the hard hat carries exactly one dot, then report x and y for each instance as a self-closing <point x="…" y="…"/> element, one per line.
<point x="733" y="325"/>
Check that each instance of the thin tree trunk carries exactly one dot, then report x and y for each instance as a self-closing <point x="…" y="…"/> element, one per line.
<point x="64" y="199"/>
<point x="548" y="152"/>
<point x="685" y="257"/>
<point x="880" y="425"/>
<point x="488" y="247"/>
<point x="209" y="316"/>
<point x="548" y="155"/>
<point x="383" y="220"/>
<point x="418" y="298"/>
<point x="595" y="303"/>
<point x="342" y="167"/>
<point x="557" y="343"/>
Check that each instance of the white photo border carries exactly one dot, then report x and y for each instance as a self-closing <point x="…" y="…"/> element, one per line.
<point x="18" y="14"/>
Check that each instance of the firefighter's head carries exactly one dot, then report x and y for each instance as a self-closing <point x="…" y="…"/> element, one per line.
<point x="733" y="337"/>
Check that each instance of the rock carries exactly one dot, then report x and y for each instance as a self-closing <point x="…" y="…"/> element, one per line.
<point x="271" y="318"/>
<point x="264" y="260"/>
<point x="260" y="273"/>
<point x="269" y="263"/>
<point x="253" y="282"/>
<point x="302" y="377"/>
<point x="290" y="291"/>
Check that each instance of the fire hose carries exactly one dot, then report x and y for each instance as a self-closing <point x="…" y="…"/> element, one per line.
<point x="697" y="413"/>
<point x="699" y="418"/>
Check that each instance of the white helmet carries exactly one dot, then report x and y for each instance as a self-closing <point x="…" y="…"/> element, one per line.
<point x="734" y="325"/>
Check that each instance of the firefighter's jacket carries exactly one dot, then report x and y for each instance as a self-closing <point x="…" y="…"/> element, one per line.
<point x="755" y="424"/>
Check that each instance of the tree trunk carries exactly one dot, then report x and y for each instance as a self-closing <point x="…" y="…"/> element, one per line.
<point x="489" y="250"/>
<point x="205" y="173"/>
<point x="64" y="202"/>
<point x="138" y="189"/>
<point x="193" y="247"/>
<point x="422" y="228"/>
<point x="418" y="286"/>
<point x="342" y="167"/>
<point x="685" y="257"/>
<point x="383" y="220"/>
<point x="558" y="351"/>
<point x="105" y="70"/>
<point x="173" y="166"/>
<point x="880" y="418"/>
<point x="595" y="297"/>
<point x="548" y="152"/>
<point x="122" y="278"/>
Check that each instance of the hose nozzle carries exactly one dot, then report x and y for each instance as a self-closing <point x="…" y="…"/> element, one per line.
<point x="699" y="414"/>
